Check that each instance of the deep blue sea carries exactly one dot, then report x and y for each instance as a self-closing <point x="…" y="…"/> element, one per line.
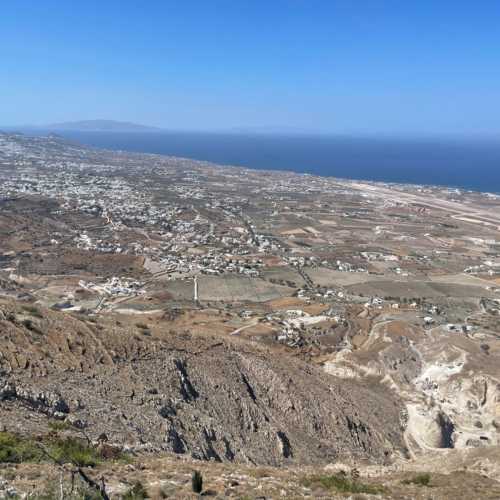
<point x="468" y="164"/>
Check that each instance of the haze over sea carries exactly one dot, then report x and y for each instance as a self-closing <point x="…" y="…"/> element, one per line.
<point x="464" y="163"/>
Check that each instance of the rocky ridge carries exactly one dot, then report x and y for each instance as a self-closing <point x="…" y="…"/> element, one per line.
<point x="204" y="396"/>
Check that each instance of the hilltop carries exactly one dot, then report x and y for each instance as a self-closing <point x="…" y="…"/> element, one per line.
<point x="101" y="126"/>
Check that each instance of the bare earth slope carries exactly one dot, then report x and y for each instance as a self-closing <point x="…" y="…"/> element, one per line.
<point x="207" y="397"/>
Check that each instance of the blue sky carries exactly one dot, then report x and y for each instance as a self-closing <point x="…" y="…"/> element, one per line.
<point x="353" y="66"/>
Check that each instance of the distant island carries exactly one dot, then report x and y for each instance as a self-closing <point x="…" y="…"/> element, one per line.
<point x="101" y="126"/>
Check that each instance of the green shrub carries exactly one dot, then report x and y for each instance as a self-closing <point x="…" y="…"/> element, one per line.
<point x="341" y="484"/>
<point x="423" y="479"/>
<point x="57" y="425"/>
<point x="75" y="451"/>
<point x="18" y="449"/>
<point x="15" y="449"/>
<point x="34" y="311"/>
<point x="137" y="492"/>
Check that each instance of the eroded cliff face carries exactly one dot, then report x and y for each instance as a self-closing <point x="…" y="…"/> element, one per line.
<point x="201" y="396"/>
<point x="449" y="381"/>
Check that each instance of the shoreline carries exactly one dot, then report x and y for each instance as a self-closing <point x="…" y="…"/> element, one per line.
<point x="137" y="143"/>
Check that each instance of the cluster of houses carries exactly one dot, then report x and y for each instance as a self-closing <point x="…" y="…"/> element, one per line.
<point x="115" y="287"/>
<point x="489" y="268"/>
<point x="173" y="230"/>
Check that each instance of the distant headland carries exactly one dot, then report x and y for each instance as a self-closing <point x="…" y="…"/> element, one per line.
<point x="101" y="126"/>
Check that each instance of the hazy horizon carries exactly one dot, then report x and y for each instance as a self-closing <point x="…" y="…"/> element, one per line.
<point x="276" y="131"/>
<point x="380" y="69"/>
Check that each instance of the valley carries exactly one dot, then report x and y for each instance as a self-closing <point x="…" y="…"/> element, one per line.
<point x="233" y="320"/>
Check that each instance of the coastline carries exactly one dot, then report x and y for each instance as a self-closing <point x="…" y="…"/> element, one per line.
<point x="465" y="179"/>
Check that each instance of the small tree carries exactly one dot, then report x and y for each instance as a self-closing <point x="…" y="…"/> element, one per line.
<point x="197" y="482"/>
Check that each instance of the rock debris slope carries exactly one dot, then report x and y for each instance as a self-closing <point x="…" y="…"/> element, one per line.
<point x="202" y="396"/>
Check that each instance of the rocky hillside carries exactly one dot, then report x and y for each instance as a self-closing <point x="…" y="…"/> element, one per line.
<point x="202" y="396"/>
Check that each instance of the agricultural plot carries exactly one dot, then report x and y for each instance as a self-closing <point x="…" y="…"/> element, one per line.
<point x="239" y="289"/>
<point x="460" y="279"/>
<point x="180" y="289"/>
<point x="283" y="275"/>
<point x="415" y="289"/>
<point x="328" y="277"/>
